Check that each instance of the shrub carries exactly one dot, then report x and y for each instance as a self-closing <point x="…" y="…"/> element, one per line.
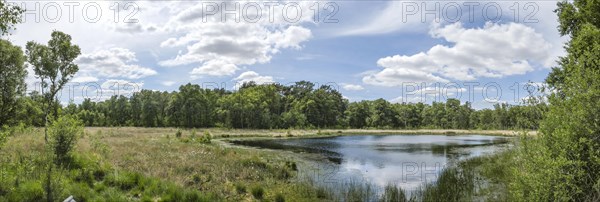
<point x="206" y="138"/>
<point x="258" y="192"/>
<point x="28" y="191"/>
<point x="240" y="188"/>
<point x="279" y="197"/>
<point x="291" y="165"/>
<point x="563" y="164"/>
<point x="124" y="181"/>
<point x="63" y="137"/>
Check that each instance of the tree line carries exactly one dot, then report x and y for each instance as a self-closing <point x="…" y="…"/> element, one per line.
<point x="275" y="106"/>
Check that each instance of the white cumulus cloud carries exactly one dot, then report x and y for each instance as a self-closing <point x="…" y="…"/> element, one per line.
<point x="353" y="87"/>
<point x="254" y="77"/>
<point x="220" y="46"/>
<point x="495" y="50"/>
<point x="111" y="63"/>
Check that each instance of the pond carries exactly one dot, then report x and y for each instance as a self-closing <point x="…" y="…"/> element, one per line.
<point x="407" y="161"/>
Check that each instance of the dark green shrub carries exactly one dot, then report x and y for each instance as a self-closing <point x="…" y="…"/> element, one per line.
<point x="124" y="181"/>
<point x="291" y="165"/>
<point x="258" y="192"/>
<point x="281" y="173"/>
<point x="81" y="192"/>
<point x="240" y="188"/>
<point x="178" y="133"/>
<point x="63" y="136"/>
<point x="28" y="191"/>
<point x="206" y="138"/>
<point x="279" y="197"/>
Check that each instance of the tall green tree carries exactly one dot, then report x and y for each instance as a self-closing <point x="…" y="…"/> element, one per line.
<point x="192" y="107"/>
<point x="53" y="65"/>
<point x="12" y="80"/>
<point x="382" y="114"/>
<point x="357" y="114"/>
<point x="564" y="163"/>
<point x="12" y="70"/>
<point x="30" y="110"/>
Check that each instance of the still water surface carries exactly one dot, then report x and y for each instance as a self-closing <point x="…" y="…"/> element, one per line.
<point x="405" y="160"/>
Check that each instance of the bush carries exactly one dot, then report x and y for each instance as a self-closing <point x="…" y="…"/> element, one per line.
<point x="240" y="188"/>
<point x="63" y="137"/>
<point x="178" y="134"/>
<point x="563" y="164"/>
<point x="279" y="198"/>
<point x="206" y="138"/>
<point x="28" y="191"/>
<point x="258" y="192"/>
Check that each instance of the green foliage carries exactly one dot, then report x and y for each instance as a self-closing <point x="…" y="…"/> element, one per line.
<point x="3" y="137"/>
<point x="30" y="110"/>
<point x="240" y="188"/>
<point x="28" y="191"/>
<point x="53" y="65"/>
<point x="564" y="163"/>
<point x="206" y="138"/>
<point x="258" y="192"/>
<point x="63" y="137"/>
<point x="279" y="197"/>
<point x="12" y="84"/>
<point x="357" y="114"/>
<point x="9" y="16"/>
<point x="297" y="106"/>
<point x="86" y="179"/>
<point x="178" y="133"/>
<point x="191" y="107"/>
<point x="193" y="135"/>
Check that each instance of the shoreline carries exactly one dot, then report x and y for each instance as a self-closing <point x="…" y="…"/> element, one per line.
<point x="222" y="133"/>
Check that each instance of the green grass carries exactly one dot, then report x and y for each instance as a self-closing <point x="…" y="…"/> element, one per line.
<point x="144" y="165"/>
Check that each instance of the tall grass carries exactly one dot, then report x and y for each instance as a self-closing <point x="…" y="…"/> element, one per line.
<point x="482" y="178"/>
<point x="142" y="165"/>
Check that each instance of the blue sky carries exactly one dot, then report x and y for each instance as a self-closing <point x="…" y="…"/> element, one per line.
<point x="375" y="50"/>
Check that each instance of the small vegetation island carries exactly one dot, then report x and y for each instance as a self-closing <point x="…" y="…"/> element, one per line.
<point x="260" y="142"/>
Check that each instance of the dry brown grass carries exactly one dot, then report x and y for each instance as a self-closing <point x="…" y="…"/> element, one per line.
<point x="220" y="132"/>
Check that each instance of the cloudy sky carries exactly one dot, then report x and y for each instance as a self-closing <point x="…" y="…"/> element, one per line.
<point x="483" y="52"/>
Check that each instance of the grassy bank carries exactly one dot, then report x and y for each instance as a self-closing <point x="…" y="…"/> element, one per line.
<point x="226" y="133"/>
<point x="149" y="165"/>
